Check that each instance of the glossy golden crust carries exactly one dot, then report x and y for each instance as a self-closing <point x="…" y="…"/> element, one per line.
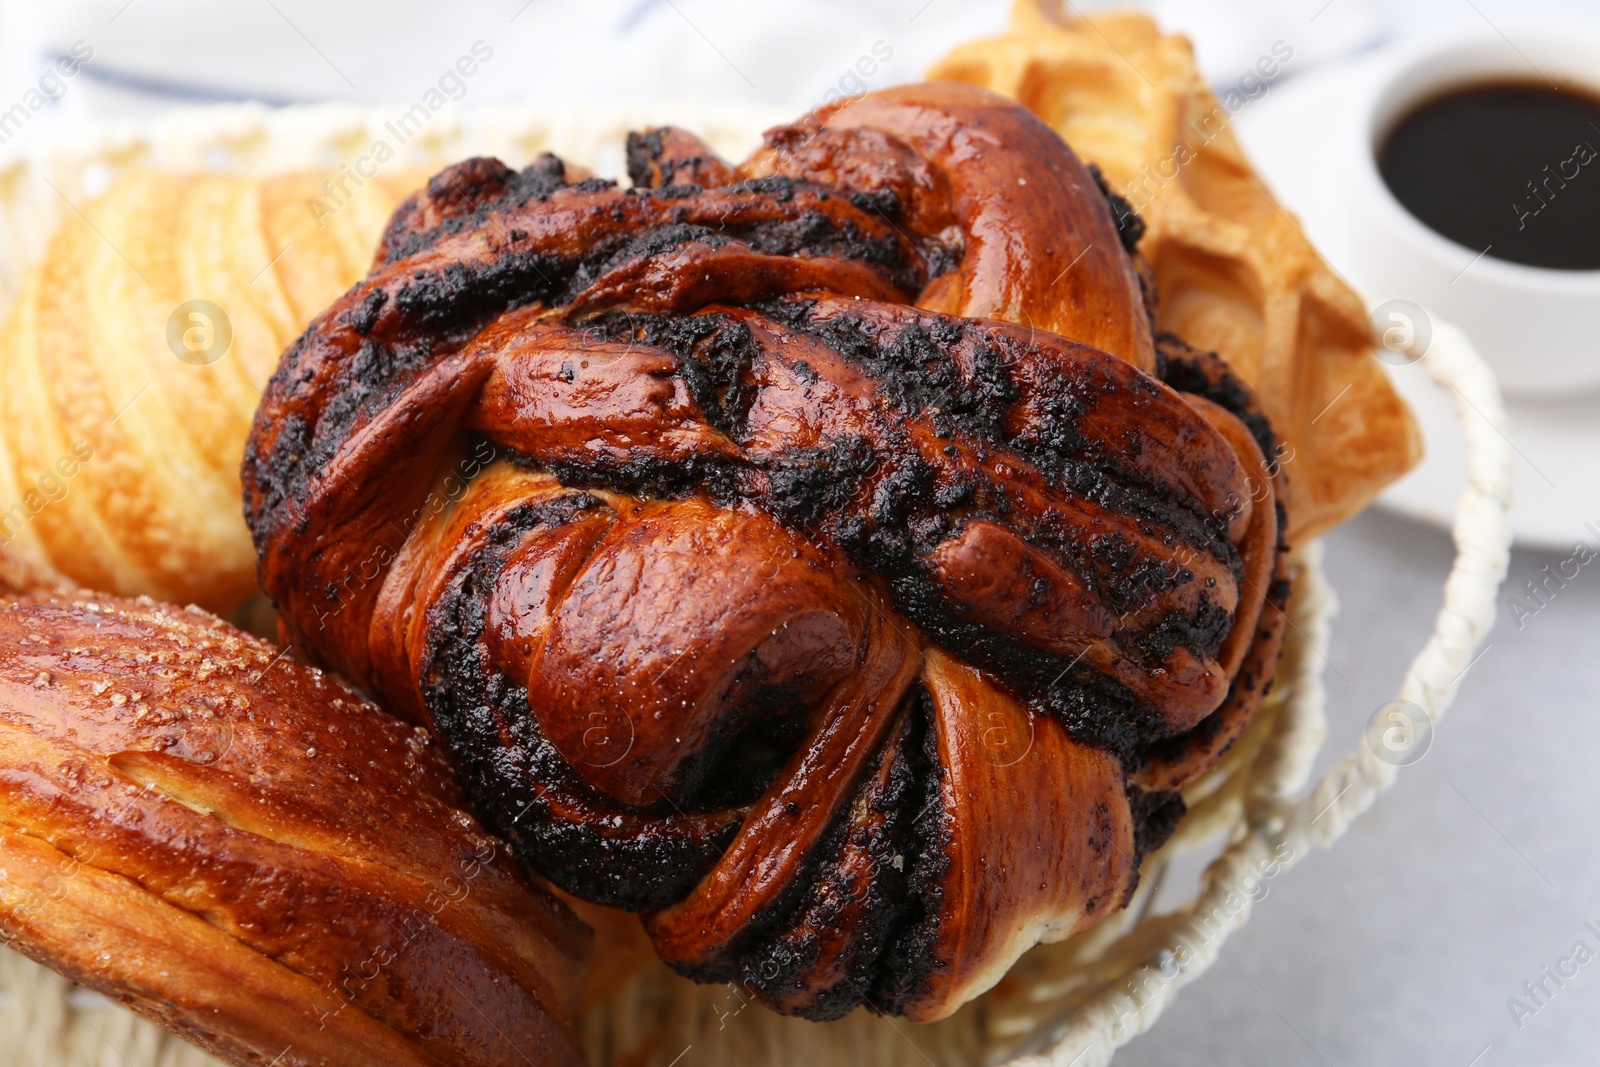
<point x="1048" y="258"/>
<point x="724" y="533"/>
<point x="244" y="850"/>
<point x="1235" y="273"/>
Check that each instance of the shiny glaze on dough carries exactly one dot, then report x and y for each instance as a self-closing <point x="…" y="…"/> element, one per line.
<point x="805" y="555"/>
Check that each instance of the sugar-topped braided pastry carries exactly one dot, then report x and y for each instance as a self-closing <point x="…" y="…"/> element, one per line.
<point x="807" y="554"/>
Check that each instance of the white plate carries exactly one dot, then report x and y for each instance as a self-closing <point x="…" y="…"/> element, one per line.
<point x="1303" y="136"/>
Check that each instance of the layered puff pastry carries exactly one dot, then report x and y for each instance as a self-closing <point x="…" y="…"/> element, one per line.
<point x="118" y="451"/>
<point x="821" y="556"/>
<point x="244" y="850"/>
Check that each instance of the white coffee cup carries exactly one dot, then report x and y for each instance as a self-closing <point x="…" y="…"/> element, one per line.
<point x="1538" y="327"/>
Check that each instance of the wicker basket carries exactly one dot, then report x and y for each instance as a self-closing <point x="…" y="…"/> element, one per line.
<point x="1070" y="1004"/>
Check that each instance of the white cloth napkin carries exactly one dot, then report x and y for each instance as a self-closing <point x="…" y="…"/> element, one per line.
<point x="151" y="53"/>
<point x="296" y="50"/>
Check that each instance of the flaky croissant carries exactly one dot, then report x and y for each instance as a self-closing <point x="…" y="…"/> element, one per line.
<point x="119" y="445"/>
<point x="240" y="848"/>
<point x="808" y="554"/>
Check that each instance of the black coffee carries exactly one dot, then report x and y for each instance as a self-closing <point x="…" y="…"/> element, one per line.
<point x="1513" y="167"/>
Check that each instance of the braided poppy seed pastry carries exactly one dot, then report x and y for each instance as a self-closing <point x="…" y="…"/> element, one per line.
<point x="807" y="555"/>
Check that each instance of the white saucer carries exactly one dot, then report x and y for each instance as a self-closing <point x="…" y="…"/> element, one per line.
<point x="1301" y="136"/>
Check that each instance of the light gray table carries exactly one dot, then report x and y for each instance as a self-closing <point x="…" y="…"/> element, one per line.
<point x="1478" y="869"/>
